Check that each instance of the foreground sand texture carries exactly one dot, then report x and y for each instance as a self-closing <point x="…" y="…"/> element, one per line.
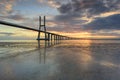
<point x="69" y="60"/>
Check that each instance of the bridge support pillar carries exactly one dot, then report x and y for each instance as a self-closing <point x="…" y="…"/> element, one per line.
<point x="57" y="37"/>
<point x="48" y="37"/>
<point x="54" y="37"/>
<point x="51" y="37"/>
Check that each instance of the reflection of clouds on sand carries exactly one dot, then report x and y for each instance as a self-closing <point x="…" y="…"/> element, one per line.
<point x="73" y="61"/>
<point x="109" y="64"/>
<point x="85" y="54"/>
<point x="29" y="65"/>
<point x="70" y="60"/>
<point x="86" y="59"/>
<point x="8" y="70"/>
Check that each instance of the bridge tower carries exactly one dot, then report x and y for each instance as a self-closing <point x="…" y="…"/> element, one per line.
<point x="42" y="25"/>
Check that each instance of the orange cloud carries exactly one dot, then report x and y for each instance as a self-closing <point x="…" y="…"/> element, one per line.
<point x="8" y="7"/>
<point x="50" y="3"/>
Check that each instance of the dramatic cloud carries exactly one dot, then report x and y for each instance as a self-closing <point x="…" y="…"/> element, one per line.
<point x="110" y="22"/>
<point x="89" y="8"/>
<point x="7" y="12"/>
<point x="18" y="17"/>
<point x="88" y="15"/>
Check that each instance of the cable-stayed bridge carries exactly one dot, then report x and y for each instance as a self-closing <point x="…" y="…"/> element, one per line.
<point x="48" y="35"/>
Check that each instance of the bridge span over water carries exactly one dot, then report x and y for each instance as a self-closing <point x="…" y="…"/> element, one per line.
<point x="48" y="35"/>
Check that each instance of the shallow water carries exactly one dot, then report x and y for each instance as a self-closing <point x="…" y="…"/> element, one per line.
<point x="68" y="60"/>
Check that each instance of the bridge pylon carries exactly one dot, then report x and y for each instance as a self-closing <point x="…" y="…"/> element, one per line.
<point x="42" y="25"/>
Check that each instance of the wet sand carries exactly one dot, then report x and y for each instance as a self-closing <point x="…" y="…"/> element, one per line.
<point x="70" y="60"/>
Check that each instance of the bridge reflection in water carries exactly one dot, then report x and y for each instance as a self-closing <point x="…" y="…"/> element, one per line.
<point x="69" y="60"/>
<point x="42" y="50"/>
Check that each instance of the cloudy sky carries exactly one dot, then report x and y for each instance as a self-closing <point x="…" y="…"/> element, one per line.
<point x="75" y="18"/>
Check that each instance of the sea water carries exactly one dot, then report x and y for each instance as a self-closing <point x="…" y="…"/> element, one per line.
<point x="62" y="60"/>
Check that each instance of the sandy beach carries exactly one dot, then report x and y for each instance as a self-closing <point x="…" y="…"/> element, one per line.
<point x="69" y="60"/>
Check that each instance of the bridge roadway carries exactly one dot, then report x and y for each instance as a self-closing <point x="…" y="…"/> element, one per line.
<point x="50" y="35"/>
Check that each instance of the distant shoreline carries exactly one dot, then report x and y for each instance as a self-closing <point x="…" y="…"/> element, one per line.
<point x="97" y="39"/>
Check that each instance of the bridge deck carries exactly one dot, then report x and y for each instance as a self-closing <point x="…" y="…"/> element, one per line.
<point x="24" y="27"/>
